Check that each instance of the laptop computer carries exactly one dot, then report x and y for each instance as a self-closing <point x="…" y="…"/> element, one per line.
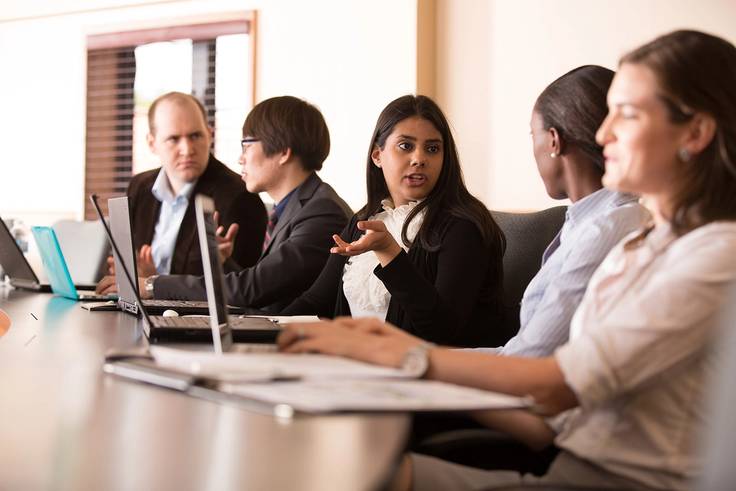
<point x="15" y="265"/>
<point x="57" y="269"/>
<point x="217" y="326"/>
<point x="121" y="233"/>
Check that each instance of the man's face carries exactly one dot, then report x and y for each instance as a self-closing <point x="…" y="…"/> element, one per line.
<point x="181" y="139"/>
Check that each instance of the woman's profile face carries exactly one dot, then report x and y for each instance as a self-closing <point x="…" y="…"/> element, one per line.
<point x="411" y="160"/>
<point x="550" y="168"/>
<point x="640" y="143"/>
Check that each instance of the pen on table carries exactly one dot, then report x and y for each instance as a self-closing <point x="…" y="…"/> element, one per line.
<point x="33" y="316"/>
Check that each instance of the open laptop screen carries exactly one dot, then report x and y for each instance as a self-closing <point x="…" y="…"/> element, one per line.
<point x="14" y="262"/>
<point x="120" y="231"/>
<point x="210" y="255"/>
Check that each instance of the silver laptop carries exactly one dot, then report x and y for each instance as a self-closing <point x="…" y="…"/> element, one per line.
<point x="216" y="327"/>
<point x="127" y="293"/>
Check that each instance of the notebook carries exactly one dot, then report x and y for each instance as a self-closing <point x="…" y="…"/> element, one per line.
<point x="217" y="327"/>
<point x="15" y="265"/>
<point x="57" y="269"/>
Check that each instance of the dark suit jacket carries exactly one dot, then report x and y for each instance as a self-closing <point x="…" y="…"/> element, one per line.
<point x="295" y="256"/>
<point x="450" y="295"/>
<point x="232" y="200"/>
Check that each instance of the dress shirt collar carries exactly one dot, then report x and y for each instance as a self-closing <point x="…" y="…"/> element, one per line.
<point x="161" y="189"/>
<point x="601" y="199"/>
<point x="278" y="208"/>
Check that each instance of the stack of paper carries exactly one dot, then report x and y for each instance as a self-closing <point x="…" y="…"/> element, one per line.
<point x="321" y="383"/>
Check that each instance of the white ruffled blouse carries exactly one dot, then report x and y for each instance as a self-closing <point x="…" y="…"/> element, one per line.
<point x="366" y="294"/>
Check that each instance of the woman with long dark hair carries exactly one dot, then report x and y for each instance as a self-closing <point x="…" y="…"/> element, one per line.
<point x="423" y="253"/>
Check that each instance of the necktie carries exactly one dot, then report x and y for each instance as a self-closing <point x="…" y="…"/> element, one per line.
<point x="272" y="220"/>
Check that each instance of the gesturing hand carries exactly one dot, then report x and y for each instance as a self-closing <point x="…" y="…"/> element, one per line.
<point x="146" y="267"/>
<point x="225" y="240"/>
<point x="376" y="238"/>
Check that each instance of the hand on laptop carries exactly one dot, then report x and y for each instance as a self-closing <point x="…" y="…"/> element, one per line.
<point x="365" y="339"/>
<point x="107" y="286"/>
<point x="224" y="242"/>
<point x="145" y="265"/>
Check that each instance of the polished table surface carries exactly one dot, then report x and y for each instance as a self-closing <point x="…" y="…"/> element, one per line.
<point x="64" y="424"/>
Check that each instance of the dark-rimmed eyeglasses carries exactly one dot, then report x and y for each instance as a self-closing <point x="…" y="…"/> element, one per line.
<point x="247" y="141"/>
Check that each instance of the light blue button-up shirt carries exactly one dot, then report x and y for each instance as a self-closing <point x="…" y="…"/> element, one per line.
<point x="169" y="220"/>
<point x="593" y="225"/>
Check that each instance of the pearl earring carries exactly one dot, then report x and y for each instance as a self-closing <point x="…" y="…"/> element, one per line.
<point x="553" y="155"/>
<point x="684" y="155"/>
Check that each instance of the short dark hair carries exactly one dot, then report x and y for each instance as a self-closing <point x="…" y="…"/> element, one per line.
<point x="575" y="105"/>
<point x="288" y="122"/>
<point x="176" y="96"/>
<point x="449" y="197"/>
<point x="696" y="72"/>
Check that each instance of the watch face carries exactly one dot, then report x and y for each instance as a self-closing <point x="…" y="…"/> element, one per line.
<point x="415" y="362"/>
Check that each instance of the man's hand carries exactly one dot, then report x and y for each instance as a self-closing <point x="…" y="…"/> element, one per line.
<point x="225" y="240"/>
<point x="107" y="286"/>
<point x="146" y="267"/>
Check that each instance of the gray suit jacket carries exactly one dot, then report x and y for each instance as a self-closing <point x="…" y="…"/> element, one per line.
<point x="299" y="248"/>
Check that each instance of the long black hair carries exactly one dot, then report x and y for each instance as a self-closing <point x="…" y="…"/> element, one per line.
<point x="449" y="196"/>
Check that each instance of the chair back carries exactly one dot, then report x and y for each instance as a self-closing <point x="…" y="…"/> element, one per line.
<point x="85" y="249"/>
<point x="527" y="236"/>
<point x="718" y="441"/>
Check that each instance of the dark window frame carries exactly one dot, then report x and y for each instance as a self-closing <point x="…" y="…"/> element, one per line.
<point x="110" y="104"/>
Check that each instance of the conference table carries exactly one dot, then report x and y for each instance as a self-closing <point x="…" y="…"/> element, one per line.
<point x="65" y="424"/>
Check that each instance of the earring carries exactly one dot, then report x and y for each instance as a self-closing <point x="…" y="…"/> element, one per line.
<point x="553" y="155"/>
<point x="684" y="155"/>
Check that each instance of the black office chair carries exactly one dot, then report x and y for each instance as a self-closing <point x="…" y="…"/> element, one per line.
<point x="458" y="438"/>
<point x="527" y="236"/>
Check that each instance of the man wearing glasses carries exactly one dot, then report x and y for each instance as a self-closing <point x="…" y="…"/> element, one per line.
<point x="285" y="141"/>
<point x="161" y="200"/>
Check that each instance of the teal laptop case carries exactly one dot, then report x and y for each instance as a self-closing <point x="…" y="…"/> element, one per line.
<point x="53" y="262"/>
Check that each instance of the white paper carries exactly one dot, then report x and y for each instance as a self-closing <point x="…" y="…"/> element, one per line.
<point x="375" y="395"/>
<point x="275" y="365"/>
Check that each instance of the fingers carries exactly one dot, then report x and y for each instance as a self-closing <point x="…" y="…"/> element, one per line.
<point x="374" y="225"/>
<point x="292" y="333"/>
<point x="106" y="285"/>
<point x="146" y="266"/>
<point x="232" y="231"/>
<point x="216" y="218"/>
<point x="110" y="265"/>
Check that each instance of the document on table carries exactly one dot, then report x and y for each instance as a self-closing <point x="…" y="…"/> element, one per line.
<point x="319" y="396"/>
<point x="322" y="383"/>
<point x="268" y="366"/>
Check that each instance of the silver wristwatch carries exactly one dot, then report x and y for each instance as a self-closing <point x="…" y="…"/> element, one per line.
<point x="148" y="285"/>
<point x="416" y="360"/>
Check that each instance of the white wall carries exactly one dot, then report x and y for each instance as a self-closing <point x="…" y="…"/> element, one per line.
<point x="499" y="55"/>
<point x="348" y="58"/>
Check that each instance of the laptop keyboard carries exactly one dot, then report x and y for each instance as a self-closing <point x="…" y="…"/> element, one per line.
<point x="161" y="321"/>
<point x="173" y="304"/>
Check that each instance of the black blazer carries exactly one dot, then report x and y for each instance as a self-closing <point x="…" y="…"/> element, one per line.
<point x="232" y="200"/>
<point x="295" y="256"/>
<point x="450" y="295"/>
